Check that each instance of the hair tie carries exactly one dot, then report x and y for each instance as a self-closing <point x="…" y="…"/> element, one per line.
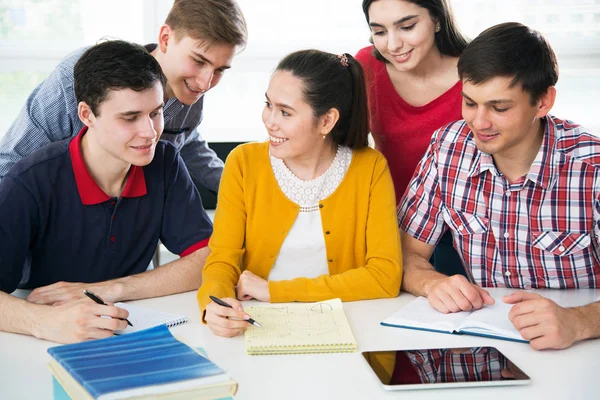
<point x="343" y="59"/>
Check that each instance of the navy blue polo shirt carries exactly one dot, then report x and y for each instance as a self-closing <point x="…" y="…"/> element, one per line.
<point x="56" y="224"/>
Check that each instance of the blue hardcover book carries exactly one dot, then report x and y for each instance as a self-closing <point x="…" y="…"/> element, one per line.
<point x="146" y="364"/>
<point x="490" y="321"/>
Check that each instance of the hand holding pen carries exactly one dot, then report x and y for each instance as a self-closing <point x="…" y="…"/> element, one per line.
<point x="98" y="300"/>
<point x="222" y="303"/>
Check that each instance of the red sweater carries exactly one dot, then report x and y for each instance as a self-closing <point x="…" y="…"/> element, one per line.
<point x="402" y="132"/>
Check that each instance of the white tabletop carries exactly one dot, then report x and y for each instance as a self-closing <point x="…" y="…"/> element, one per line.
<point x="554" y="374"/>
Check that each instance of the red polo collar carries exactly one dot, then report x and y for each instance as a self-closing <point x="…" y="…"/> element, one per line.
<point x="88" y="189"/>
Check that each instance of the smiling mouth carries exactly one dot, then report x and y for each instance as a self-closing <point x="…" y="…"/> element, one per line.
<point x="275" y="139"/>
<point x="200" y="91"/>
<point x="146" y="146"/>
<point x="401" y="56"/>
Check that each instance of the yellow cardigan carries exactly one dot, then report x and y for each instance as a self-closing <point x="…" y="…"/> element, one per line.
<point x="253" y="217"/>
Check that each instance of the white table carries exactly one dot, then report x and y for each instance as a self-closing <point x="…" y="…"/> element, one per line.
<point x="566" y="374"/>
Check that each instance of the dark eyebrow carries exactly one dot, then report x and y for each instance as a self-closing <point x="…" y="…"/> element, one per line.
<point x="280" y="105"/>
<point x="206" y="60"/>
<point x="134" y="112"/>
<point x="491" y="102"/>
<point x="398" y="22"/>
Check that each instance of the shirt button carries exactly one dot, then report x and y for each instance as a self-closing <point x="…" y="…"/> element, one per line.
<point x="461" y="228"/>
<point x="561" y="248"/>
<point x="506" y="235"/>
<point x="320" y="205"/>
<point x="112" y="203"/>
<point x="113" y="239"/>
<point x="507" y="273"/>
<point x="527" y="285"/>
<point x="114" y="217"/>
<point x="508" y="193"/>
<point x="327" y="232"/>
<point x="330" y="260"/>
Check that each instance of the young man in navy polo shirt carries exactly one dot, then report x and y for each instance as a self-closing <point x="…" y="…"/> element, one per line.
<point x="87" y="212"/>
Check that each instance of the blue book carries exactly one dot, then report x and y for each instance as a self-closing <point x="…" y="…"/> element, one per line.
<point x="490" y="321"/>
<point x="146" y="364"/>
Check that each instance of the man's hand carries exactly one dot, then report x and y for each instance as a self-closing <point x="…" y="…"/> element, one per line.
<point x="456" y="293"/>
<point x="250" y="286"/>
<point x="80" y="320"/>
<point x="543" y="322"/>
<point x="224" y="321"/>
<point x="64" y="292"/>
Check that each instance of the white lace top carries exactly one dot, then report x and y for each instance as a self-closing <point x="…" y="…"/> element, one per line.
<point x="303" y="253"/>
<point x="307" y="194"/>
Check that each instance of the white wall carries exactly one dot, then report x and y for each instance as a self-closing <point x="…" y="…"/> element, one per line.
<point x="34" y="36"/>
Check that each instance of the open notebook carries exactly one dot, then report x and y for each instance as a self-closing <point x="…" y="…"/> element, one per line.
<point x="490" y="321"/>
<point x="293" y="328"/>
<point x="149" y="364"/>
<point x="144" y="318"/>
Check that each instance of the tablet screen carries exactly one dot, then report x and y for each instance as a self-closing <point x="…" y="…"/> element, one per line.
<point x="432" y="368"/>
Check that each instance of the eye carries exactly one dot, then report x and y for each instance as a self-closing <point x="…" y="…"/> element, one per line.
<point x="500" y="110"/>
<point x="219" y="71"/>
<point x="409" y="27"/>
<point x="267" y="104"/>
<point x="155" y="114"/>
<point x="378" y="33"/>
<point x="199" y="62"/>
<point x="468" y="104"/>
<point x="285" y="113"/>
<point x="131" y="119"/>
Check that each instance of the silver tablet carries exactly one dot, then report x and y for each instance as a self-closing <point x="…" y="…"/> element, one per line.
<point x="444" y="368"/>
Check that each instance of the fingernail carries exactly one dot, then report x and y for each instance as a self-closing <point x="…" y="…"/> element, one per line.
<point x="246" y="316"/>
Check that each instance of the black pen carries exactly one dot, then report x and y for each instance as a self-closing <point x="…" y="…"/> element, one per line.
<point x="98" y="300"/>
<point x="222" y="303"/>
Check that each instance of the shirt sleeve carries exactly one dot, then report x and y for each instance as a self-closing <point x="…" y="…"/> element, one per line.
<point x="378" y="275"/>
<point x="222" y="269"/>
<point x="19" y="221"/>
<point x="420" y="212"/>
<point x="49" y="115"/>
<point x="204" y="166"/>
<point x="186" y="227"/>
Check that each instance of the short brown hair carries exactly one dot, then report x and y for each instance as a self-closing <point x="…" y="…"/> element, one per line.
<point x="212" y="21"/>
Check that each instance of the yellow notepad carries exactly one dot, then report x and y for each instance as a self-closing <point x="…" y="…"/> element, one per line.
<point x="295" y="328"/>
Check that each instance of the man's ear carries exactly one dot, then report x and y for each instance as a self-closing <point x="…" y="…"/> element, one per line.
<point x="85" y="114"/>
<point x="328" y="121"/>
<point x="546" y="102"/>
<point x="164" y="34"/>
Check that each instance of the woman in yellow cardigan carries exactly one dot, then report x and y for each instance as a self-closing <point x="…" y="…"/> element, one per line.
<point x="310" y="214"/>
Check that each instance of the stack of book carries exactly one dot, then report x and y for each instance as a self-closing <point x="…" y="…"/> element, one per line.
<point x="150" y="364"/>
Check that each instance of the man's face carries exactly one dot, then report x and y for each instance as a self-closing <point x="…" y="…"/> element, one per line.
<point x="191" y="66"/>
<point x="127" y="126"/>
<point x="501" y="117"/>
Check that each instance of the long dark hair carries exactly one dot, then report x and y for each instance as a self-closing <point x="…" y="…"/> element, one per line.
<point x="448" y="40"/>
<point x="332" y="81"/>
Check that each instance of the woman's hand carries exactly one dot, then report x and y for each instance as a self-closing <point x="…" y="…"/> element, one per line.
<point x="224" y="321"/>
<point x="251" y="286"/>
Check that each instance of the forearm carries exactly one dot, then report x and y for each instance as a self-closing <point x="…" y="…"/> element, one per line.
<point x="177" y="276"/>
<point x="19" y="316"/>
<point x="419" y="275"/>
<point x="589" y="319"/>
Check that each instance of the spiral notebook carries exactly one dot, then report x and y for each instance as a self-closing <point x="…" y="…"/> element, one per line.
<point x="145" y="318"/>
<point x="296" y="328"/>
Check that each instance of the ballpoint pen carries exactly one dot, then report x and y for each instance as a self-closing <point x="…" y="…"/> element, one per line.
<point x="222" y="303"/>
<point x="98" y="300"/>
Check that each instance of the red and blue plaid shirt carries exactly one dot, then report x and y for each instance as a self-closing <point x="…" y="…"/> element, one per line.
<point x="541" y="231"/>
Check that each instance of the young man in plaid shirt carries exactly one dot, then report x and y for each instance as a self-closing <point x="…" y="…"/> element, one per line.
<point x="518" y="188"/>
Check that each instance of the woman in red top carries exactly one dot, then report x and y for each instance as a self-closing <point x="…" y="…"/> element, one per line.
<point x="413" y="86"/>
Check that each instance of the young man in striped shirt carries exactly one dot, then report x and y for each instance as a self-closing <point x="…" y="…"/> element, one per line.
<point x="518" y="188"/>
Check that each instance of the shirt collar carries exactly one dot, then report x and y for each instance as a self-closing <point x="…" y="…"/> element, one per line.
<point x="89" y="191"/>
<point x="543" y="167"/>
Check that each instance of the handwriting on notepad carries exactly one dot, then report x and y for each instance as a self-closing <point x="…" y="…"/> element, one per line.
<point x="296" y="322"/>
